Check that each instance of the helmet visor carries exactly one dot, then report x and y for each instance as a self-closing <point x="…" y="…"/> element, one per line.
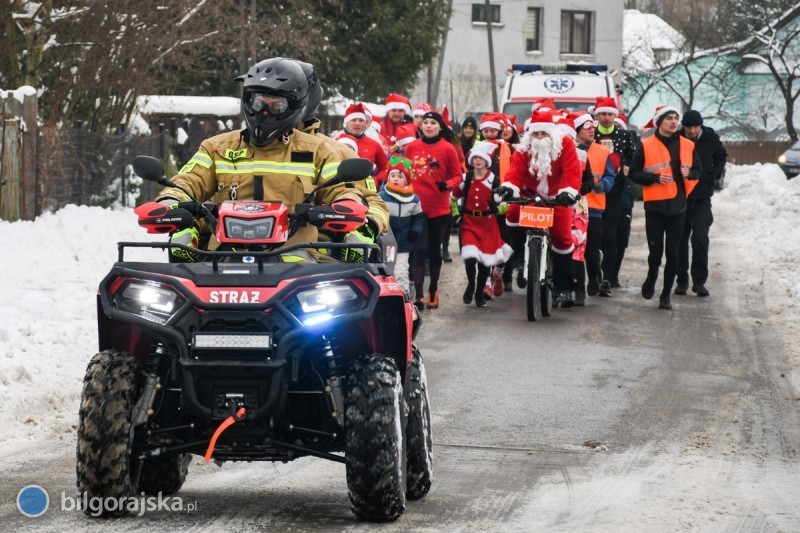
<point x="276" y="106"/>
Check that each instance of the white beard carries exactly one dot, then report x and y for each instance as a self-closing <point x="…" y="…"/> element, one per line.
<point x="543" y="152"/>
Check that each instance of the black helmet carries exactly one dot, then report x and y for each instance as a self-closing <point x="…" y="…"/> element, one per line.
<point x="315" y="91"/>
<point x="274" y="97"/>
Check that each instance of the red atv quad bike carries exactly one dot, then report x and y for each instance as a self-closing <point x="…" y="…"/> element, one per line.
<point x="247" y="356"/>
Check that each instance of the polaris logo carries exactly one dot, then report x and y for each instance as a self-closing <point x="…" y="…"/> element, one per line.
<point x="235" y="297"/>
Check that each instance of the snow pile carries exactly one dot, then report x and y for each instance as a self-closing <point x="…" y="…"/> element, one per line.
<point x="648" y="41"/>
<point x="49" y="275"/>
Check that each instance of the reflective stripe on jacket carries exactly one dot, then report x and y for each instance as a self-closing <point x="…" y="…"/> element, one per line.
<point x="658" y="161"/>
<point x="226" y="167"/>
<point x="597" y="156"/>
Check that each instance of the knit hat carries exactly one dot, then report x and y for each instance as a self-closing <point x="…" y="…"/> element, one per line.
<point x="482" y="149"/>
<point x="542" y="121"/>
<point x="402" y="169"/>
<point x="354" y="111"/>
<point x="405" y="134"/>
<point x="470" y="120"/>
<point x="692" y="118"/>
<point x="435" y="116"/>
<point x="421" y="109"/>
<point x="492" y="120"/>
<point x="398" y="101"/>
<point x="606" y="104"/>
<point x="661" y="112"/>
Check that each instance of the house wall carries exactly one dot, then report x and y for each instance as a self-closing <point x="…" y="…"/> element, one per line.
<point x="465" y="84"/>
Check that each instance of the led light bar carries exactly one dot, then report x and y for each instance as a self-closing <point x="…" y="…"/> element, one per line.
<point x="215" y="341"/>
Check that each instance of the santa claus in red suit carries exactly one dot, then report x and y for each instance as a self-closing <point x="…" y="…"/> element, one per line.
<point x="547" y="165"/>
<point x="397" y="108"/>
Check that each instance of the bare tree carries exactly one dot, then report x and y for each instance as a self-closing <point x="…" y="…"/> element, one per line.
<point x="469" y="88"/>
<point x="777" y="47"/>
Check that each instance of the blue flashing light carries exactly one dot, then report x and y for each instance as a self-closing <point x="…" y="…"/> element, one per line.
<point x="578" y="67"/>
<point x="518" y="67"/>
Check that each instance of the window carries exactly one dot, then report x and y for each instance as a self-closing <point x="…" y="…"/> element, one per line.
<point x="576" y="32"/>
<point x="479" y="13"/>
<point x="532" y="43"/>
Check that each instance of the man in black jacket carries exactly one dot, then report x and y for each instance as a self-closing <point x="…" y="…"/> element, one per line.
<point x="712" y="155"/>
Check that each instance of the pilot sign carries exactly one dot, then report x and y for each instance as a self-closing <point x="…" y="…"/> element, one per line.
<point x="559" y="84"/>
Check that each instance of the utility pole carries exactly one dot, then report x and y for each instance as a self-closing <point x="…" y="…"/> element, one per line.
<point x="491" y="55"/>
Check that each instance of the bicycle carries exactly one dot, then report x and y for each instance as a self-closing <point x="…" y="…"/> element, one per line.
<point x="536" y="215"/>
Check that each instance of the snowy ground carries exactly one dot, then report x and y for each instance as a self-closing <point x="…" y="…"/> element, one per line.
<point x="51" y="267"/>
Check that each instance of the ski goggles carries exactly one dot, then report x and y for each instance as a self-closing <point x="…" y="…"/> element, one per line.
<point x="277" y="106"/>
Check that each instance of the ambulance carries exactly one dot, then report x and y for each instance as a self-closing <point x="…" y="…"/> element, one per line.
<point x="573" y="86"/>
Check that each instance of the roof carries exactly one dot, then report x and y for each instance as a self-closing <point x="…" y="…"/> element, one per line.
<point x="215" y="106"/>
<point x="644" y="33"/>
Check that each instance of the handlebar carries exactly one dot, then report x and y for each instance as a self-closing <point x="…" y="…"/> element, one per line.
<point x="534" y="200"/>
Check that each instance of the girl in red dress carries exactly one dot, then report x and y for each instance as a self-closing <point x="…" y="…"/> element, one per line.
<point x="482" y="247"/>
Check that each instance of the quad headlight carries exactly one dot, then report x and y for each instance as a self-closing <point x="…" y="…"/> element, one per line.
<point x="325" y="301"/>
<point x="249" y="230"/>
<point x="149" y="300"/>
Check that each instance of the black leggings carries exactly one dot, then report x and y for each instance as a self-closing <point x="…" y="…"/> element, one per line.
<point x="429" y="249"/>
<point x="471" y="265"/>
<point x="657" y="227"/>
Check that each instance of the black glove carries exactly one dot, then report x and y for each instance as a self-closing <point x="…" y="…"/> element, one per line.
<point x="565" y="198"/>
<point x="504" y="192"/>
<point x="599" y="187"/>
<point x="443" y="186"/>
<point x="412" y="235"/>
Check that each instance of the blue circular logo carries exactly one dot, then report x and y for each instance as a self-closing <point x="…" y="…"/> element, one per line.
<point x="559" y="84"/>
<point x="33" y="501"/>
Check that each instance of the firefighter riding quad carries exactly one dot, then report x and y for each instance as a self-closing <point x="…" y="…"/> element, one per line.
<point x="250" y="354"/>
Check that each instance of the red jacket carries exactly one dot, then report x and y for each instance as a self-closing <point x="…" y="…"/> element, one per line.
<point x="433" y="163"/>
<point x="371" y="149"/>
<point x="565" y="173"/>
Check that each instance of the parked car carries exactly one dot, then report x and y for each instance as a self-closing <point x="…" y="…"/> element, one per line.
<point x="789" y="160"/>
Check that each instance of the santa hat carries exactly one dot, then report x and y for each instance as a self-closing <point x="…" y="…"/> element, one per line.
<point x="511" y="121"/>
<point x="354" y="111"/>
<point x="661" y="112"/>
<point x="398" y="101"/>
<point x="622" y="121"/>
<point x="482" y="149"/>
<point x="492" y="120"/>
<point x="421" y="109"/>
<point x="446" y="117"/>
<point x="543" y="104"/>
<point x="606" y="104"/>
<point x="405" y="134"/>
<point x="542" y="121"/>
<point x="400" y="167"/>
<point x="566" y="126"/>
<point x="348" y="141"/>
<point x="579" y="119"/>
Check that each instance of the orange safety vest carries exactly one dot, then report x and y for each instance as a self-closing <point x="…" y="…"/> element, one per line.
<point x="657" y="161"/>
<point x="505" y="160"/>
<point x="597" y="156"/>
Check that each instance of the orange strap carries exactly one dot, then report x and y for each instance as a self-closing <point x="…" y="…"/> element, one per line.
<point x="222" y="427"/>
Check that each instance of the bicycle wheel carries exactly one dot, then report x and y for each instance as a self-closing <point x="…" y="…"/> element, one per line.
<point x="534" y="296"/>
<point x="547" y="287"/>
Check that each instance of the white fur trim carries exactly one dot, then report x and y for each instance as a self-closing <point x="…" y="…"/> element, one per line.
<point x="581" y="120"/>
<point x="513" y="188"/>
<point x="405" y="140"/>
<point x="490" y="124"/>
<point x="569" y="190"/>
<point x="606" y="110"/>
<point x="481" y="155"/>
<point x="547" y="127"/>
<point x="568" y="131"/>
<point x="419" y="112"/>
<point x="398" y="105"/>
<point x="563" y="252"/>
<point x="663" y="111"/>
<point x="502" y="255"/>
<point x="352" y="116"/>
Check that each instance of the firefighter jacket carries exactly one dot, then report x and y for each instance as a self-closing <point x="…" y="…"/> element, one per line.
<point x="378" y="211"/>
<point x="227" y="167"/>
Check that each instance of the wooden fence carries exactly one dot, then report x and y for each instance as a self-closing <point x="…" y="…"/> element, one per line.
<point x="750" y="152"/>
<point x="18" y="131"/>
